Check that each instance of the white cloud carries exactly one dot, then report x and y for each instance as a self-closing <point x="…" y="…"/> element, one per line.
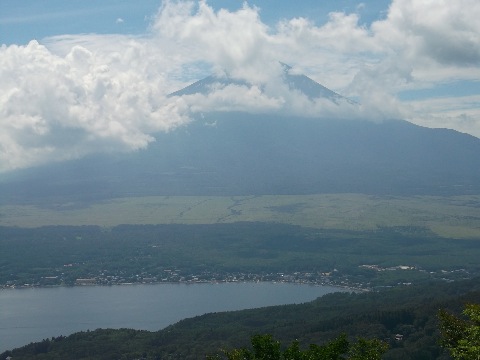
<point x="58" y="107"/>
<point x="78" y="94"/>
<point x="437" y="40"/>
<point x="234" y="98"/>
<point x="236" y="42"/>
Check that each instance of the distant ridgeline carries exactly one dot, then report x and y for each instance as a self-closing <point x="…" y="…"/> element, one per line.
<point x="405" y="318"/>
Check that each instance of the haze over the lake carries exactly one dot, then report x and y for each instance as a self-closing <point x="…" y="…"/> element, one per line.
<point x="87" y="77"/>
<point x="35" y="314"/>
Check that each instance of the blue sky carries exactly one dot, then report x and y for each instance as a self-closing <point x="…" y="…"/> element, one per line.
<point x="22" y="21"/>
<point x="86" y="76"/>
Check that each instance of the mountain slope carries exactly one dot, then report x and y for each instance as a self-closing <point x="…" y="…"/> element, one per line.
<point x="239" y="153"/>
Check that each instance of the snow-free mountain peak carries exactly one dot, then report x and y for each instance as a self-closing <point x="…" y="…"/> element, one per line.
<point x="295" y="82"/>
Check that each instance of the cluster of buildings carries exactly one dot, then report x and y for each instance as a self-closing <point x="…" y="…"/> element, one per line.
<point x="178" y="276"/>
<point x="332" y="278"/>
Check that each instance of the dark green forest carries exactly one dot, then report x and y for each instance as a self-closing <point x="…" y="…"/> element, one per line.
<point x="405" y="318"/>
<point x="60" y="255"/>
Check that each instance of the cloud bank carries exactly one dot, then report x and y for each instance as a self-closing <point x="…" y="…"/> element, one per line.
<point x="72" y="95"/>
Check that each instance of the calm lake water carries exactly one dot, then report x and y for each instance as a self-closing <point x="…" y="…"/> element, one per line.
<point x="28" y="315"/>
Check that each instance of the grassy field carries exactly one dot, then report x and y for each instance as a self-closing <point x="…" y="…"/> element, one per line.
<point x="452" y="217"/>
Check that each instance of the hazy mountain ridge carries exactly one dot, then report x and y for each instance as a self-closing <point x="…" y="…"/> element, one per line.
<point x="263" y="154"/>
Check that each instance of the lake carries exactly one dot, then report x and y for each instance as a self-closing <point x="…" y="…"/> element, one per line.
<point x="34" y="314"/>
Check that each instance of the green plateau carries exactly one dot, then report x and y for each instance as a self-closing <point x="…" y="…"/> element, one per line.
<point x="447" y="216"/>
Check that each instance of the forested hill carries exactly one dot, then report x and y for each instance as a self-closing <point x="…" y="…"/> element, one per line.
<point x="407" y="311"/>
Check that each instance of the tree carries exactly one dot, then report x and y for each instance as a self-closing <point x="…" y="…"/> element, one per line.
<point x="367" y="349"/>
<point x="461" y="336"/>
<point x="265" y="347"/>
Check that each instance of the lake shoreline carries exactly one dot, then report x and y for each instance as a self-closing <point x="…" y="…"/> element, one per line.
<point x="344" y="287"/>
<point x="39" y="313"/>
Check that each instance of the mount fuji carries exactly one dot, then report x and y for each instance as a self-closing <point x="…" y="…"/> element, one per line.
<point x="244" y="153"/>
<point x="296" y="82"/>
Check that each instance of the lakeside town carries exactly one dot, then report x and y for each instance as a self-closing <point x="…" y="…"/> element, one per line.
<point x="332" y="278"/>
